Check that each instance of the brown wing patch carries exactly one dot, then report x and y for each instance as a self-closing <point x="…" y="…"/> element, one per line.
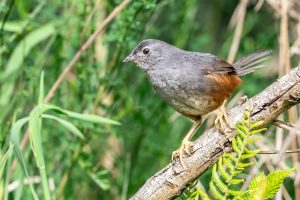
<point x="224" y="84"/>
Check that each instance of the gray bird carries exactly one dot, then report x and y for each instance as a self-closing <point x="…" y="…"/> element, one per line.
<point x="193" y="83"/>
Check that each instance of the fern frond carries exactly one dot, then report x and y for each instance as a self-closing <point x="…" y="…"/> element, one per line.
<point x="226" y="171"/>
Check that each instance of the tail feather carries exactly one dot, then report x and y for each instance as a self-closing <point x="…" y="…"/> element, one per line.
<point x="251" y="62"/>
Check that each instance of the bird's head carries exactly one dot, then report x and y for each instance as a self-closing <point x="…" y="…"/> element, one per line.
<point x="148" y="53"/>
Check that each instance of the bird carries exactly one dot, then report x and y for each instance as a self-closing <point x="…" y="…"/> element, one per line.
<point x="193" y="83"/>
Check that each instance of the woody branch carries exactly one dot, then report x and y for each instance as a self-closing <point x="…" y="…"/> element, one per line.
<point x="267" y="106"/>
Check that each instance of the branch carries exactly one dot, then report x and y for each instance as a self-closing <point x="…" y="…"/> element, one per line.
<point x="267" y="105"/>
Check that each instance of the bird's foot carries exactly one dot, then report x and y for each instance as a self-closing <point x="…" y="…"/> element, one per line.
<point x="223" y="123"/>
<point x="184" y="148"/>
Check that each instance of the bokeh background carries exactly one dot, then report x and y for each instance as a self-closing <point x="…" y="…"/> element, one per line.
<point x="112" y="162"/>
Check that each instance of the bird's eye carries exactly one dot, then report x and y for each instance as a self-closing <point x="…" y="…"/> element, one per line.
<point x="146" y="51"/>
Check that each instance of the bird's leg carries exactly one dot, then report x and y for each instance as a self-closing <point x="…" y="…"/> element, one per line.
<point x="222" y="121"/>
<point x="184" y="148"/>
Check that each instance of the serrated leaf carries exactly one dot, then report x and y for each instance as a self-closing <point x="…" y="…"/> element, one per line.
<point x="257" y="186"/>
<point x="274" y="181"/>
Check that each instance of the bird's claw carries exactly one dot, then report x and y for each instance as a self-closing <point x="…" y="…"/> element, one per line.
<point x="184" y="148"/>
<point x="222" y="122"/>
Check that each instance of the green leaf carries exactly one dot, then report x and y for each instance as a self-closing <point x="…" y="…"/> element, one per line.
<point x="244" y="165"/>
<point x="66" y="124"/>
<point x="235" y="146"/>
<point x="250" y="155"/>
<point x="91" y="118"/>
<point x="248" y="151"/>
<point x="256" y="124"/>
<point x="222" y="171"/>
<point x="15" y="62"/>
<point x="197" y="194"/>
<point x="14" y="138"/>
<point x="217" y="180"/>
<point x="241" y="134"/>
<point x="274" y="181"/>
<point x="228" y="164"/>
<point x="240" y="142"/>
<point x="242" y="128"/>
<point x="257" y="131"/>
<point x="24" y="47"/>
<point x="234" y="192"/>
<point x="236" y="181"/>
<point x="215" y="192"/>
<point x="252" y="139"/>
<point x="4" y="159"/>
<point x="84" y="117"/>
<point x="257" y="186"/>
<point x="231" y="157"/>
<point x="41" y="91"/>
<point x="35" y="132"/>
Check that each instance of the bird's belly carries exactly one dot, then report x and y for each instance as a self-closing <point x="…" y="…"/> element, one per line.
<point x="191" y="102"/>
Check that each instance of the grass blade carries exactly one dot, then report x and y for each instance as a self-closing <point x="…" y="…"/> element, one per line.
<point x="15" y="140"/>
<point x="66" y="124"/>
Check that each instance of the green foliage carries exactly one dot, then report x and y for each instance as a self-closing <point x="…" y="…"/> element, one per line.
<point x="227" y="172"/>
<point x="265" y="187"/>
<point x="35" y="130"/>
<point x="88" y="160"/>
<point x="3" y="162"/>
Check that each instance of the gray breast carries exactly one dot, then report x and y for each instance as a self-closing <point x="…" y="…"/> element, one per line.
<point x="184" y="88"/>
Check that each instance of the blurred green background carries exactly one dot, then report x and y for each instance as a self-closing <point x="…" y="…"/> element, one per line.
<point x="112" y="162"/>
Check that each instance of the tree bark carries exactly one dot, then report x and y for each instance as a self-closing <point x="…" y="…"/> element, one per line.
<point x="267" y="105"/>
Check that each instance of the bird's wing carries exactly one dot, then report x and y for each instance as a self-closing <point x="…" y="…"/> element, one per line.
<point x="211" y="64"/>
<point x="221" y="74"/>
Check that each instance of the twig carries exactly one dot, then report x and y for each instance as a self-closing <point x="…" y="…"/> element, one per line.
<point x="278" y="151"/>
<point x="240" y="17"/>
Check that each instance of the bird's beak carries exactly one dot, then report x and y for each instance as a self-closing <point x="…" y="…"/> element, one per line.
<point x="129" y="58"/>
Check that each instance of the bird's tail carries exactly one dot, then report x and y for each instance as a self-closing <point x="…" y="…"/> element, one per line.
<point x="251" y="62"/>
